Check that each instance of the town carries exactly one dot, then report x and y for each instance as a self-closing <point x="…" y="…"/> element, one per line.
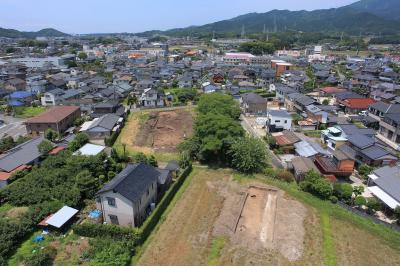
<point x="130" y="149"/>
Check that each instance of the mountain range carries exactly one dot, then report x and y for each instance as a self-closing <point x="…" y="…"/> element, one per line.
<point x="365" y="16"/>
<point x="49" y="32"/>
<point x="377" y="17"/>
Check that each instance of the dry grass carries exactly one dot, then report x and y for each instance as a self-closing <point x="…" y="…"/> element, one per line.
<point x="355" y="246"/>
<point x="16" y="212"/>
<point x="185" y="236"/>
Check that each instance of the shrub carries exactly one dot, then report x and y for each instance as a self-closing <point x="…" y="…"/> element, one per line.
<point x="89" y="229"/>
<point x="373" y="205"/>
<point x="285" y="176"/>
<point x="333" y="199"/>
<point x="360" y="201"/>
<point x="42" y="257"/>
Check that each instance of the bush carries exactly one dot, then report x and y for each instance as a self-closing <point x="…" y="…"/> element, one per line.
<point x="109" y="141"/>
<point x="333" y="199"/>
<point x="248" y="155"/>
<point x="42" y="257"/>
<point x="315" y="184"/>
<point x="115" y="232"/>
<point x="343" y="191"/>
<point x="285" y="176"/>
<point x="360" y="201"/>
<point x="80" y="140"/>
<point x="373" y="205"/>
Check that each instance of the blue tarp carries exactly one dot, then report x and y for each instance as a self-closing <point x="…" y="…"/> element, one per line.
<point x="38" y="238"/>
<point x="15" y="103"/>
<point x="20" y="94"/>
<point x="95" y="214"/>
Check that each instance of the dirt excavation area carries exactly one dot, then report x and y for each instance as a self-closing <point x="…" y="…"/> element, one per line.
<point x="258" y="224"/>
<point x="163" y="131"/>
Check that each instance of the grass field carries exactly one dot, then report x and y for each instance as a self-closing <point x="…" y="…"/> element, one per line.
<point x="333" y="236"/>
<point x="29" y="111"/>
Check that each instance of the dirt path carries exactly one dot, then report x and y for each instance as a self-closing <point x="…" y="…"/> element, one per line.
<point x="184" y="238"/>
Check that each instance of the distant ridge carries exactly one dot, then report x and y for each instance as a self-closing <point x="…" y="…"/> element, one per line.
<point x="365" y="16"/>
<point x="49" y="32"/>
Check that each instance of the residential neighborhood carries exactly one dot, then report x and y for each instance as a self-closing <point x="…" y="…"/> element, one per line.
<point x="225" y="144"/>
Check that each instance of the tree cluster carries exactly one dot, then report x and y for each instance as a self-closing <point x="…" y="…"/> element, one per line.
<point x="257" y="47"/>
<point x="220" y="139"/>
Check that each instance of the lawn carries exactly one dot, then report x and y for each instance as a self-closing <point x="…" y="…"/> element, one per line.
<point x="29" y="111"/>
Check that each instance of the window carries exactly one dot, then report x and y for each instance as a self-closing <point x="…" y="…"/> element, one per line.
<point x="277" y="121"/>
<point x="113" y="219"/>
<point x="285" y="121"/>
<point x="111" y="201"/>
<point x="148" y="192"/>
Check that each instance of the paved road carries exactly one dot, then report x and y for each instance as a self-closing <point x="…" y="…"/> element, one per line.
<point x="13" y="127"/>
<point x="276" y="163"/>
<point x="162" y="108"/>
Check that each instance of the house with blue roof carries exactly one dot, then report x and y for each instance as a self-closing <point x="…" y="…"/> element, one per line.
<point x="20" y="98"/>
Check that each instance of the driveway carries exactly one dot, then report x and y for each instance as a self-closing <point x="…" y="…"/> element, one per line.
<point x="12" y="126"/>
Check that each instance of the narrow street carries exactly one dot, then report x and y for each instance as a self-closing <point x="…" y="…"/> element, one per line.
<point x="276" y="163"/>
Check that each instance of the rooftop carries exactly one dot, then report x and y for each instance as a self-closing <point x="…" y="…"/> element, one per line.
<point x="54" y="115"/>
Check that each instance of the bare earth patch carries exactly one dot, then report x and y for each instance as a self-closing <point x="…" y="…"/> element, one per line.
<point x="163" y="131"/>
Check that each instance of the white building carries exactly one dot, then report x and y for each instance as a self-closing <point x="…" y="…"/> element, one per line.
<point x="278" y="120"/>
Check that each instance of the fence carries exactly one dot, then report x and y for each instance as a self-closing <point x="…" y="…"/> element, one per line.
<point x="370" y="217"/>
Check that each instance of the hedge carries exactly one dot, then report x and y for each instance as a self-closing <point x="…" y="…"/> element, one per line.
<point x="155" y="217"/>
<point x="90" y="229"/>
<point x="109" y="141"/>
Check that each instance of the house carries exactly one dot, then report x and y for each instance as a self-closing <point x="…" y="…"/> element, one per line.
<point x="130" y="196"/>
<point x="298" y="102"/>
<point x="339" y="165"/>
<point x="278" y="120"/>
<point x="309" y="149"/>
<point x="15" y="84"/>
<point x="19" y="158"/>
<point x="58" y="118"/>
<point x="102" y="127"/>
<point x="253" y="103"/>
<point x="109" y="107"/>
<point x="286" y="139"/>
<point x="90" y="149"/>
<point x="389" y="130"/>
<point x="52" y="98"/>
<point x="185" y="82"/>
<point x="302" y="165"/>
<point x="338" y="135"/>
<point x="282" y="91"/>
<point x="365" y="150"/>
<point x="356" y="105"/>
<point x="20" y="98"/>
<point x="152" y="98"/>
<point x="384" y="183"/>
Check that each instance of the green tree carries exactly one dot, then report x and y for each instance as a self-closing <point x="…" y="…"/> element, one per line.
<point x="365" y="170"/>
<point x="50" y="134"/>
<point x="325" y="102"/>
<point x="140" y="157"/>
<point x="86" y="184"/>
<point x="219" y="104"/>
<point x="248" y="155"/>
<point x="79" y="140"/>
<point x="257" y="47"/>
<point x="343" y="191"/>
<point x="215" y="134"/>
<point x="82" y="56"/>
<point x="45" y="146"/>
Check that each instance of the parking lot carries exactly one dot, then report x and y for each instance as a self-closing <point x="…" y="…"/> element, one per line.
<point x="12" y="127"/>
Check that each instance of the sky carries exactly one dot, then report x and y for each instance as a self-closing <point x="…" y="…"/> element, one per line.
<point x="105" y="16"/>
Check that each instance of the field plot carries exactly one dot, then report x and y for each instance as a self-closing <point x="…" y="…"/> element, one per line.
<point x="163" y="131"/>
<point x="156" y="133"/>
<point x="221" y="222"/>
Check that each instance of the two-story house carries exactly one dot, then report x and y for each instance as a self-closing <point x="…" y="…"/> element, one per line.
<point x="152" y="98"/>
<point x="130" y="196"/>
